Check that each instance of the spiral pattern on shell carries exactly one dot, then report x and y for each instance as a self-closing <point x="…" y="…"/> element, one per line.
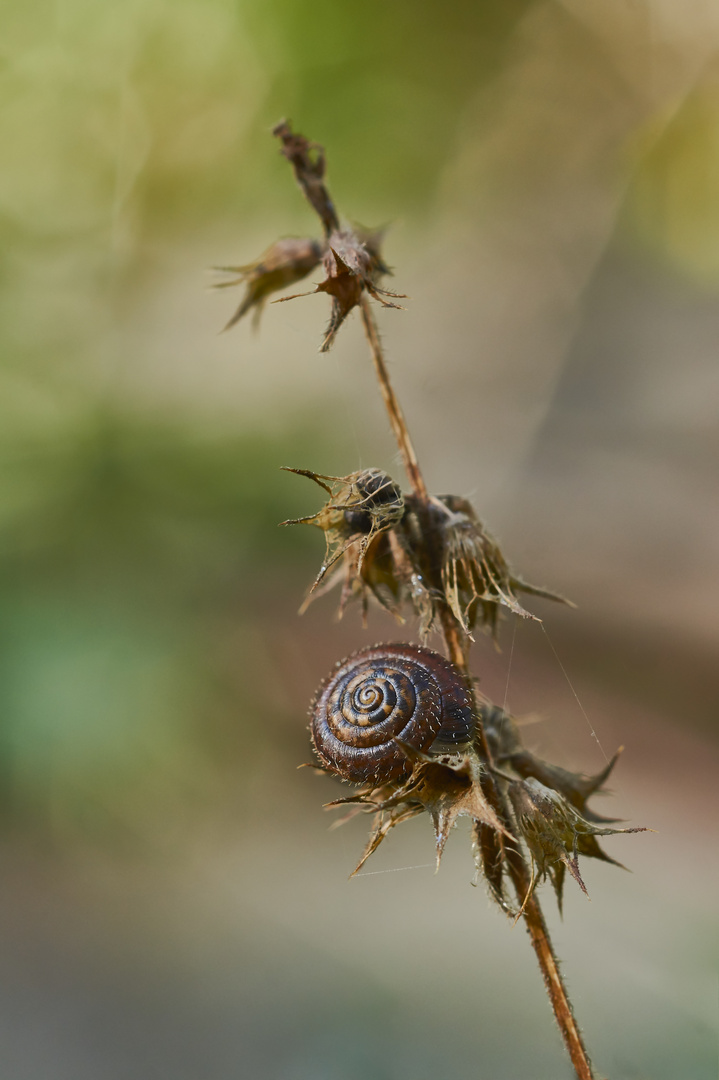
<point x="385" y="693"/>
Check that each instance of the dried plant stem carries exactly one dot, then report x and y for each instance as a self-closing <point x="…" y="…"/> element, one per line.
<point x="521" y="879"/>
<point x="456" y="643"/>
<point x="396" y="417"/>
<point x="541" y="942"/>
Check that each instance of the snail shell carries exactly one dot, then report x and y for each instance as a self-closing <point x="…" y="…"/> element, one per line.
<point x="385" y="693"/>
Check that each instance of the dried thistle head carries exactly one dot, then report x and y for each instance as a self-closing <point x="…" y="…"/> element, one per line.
<point x="285" y="262"/>
<point x="505" y="742"/>
<point x="446" y="787"/>
<point x="556" y="834"/>
<point x="365" y="534"/>
<point x="350" y="255"/>
<point x="476" y="579"/>
<point x="461" y="566"/>
<point x="353" y="266"/>
<point x="361" y="507"/>
<point x="388" y="559"/>
<point x="549" y="803"/>
<point x="352" y="269"/>
<point x="450" y="786"/>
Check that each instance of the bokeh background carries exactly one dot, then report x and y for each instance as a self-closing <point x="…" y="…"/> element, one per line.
<point x="172" y="902"/>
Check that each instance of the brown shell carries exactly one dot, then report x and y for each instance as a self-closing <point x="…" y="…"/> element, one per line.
<point x="385" y="693"/>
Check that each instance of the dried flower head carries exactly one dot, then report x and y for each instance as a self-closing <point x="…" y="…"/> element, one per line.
<point x="556" y="834"/>
<point x="363" y="530"/>
<point x="351" y="269"/>
<point x="503" y="736"/>
<point x="285" y="262"/>
<point x="475" y="576"/>
<point x="447" y="787"/>
<point x="361" y="507"/>
<point x="388" y="560"/>
<point x="351" y="256"/>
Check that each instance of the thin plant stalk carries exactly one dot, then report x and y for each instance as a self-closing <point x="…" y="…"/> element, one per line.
<point x="457" y="652"/>
<point x="396" y="416"/>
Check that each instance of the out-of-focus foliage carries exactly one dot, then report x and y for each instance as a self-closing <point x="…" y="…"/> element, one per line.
<point x="129" y="554"/>
<point x="674" y="206"/>
<point x="169" y="103"/>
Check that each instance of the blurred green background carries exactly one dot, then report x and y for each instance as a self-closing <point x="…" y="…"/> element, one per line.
<point x="173" y="905"/>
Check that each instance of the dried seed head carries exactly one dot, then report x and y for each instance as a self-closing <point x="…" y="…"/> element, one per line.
<point x="352" y="260"/>
<point x="284" y="263"/>
<point x="475" y="576"/>
<point x="351" y="269"/>
<point x="394" y="564"/>
<point x="361" y="507"/>
<point x="345" y="266"/>
<point x="505" y="743"/>
<point x="369" y="532"/>
<point x="372" y="240"/>
<point x="447" y="788"/>
<point x="555" y="833"/>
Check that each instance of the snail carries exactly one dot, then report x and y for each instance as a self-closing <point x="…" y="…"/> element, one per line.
<point x="385" y="693"/>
